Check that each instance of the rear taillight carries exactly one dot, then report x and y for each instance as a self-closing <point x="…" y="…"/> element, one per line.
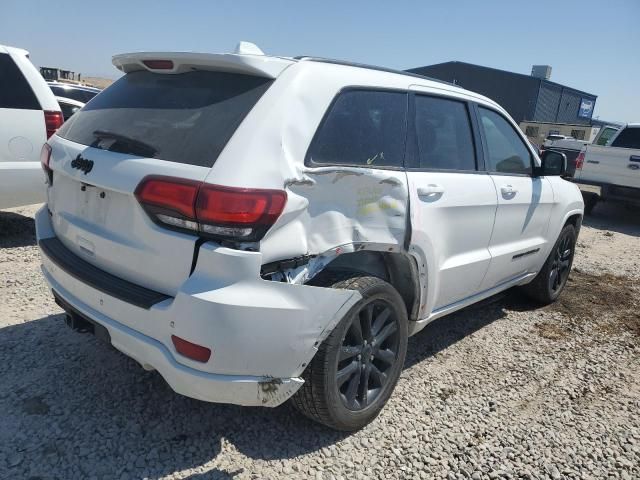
<point x="214" y="211"/>
<point x="579" y="160"/>
<point x="191" y="350"/>
<point x="45" y="158"/>
<point x="52" y="121"/>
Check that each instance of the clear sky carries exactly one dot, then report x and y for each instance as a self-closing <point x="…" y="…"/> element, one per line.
<point x="592" y="45"/>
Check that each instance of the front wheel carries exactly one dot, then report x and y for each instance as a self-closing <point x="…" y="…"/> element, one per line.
<point x="551" y="280"/>
<point x="358" y="365"/>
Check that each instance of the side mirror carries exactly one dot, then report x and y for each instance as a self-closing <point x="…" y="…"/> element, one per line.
<point x="554" y="163"/>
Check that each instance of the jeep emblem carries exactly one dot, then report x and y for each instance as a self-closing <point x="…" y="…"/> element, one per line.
<point x="82" y="164"/>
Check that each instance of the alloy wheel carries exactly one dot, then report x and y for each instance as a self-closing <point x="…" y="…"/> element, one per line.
<point x="367" y="355"/>
<point x="562" y="258"/>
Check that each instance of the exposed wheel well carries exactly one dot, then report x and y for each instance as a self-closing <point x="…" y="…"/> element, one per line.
<point x="575" y="220"/>
<point x="398" y="269"/>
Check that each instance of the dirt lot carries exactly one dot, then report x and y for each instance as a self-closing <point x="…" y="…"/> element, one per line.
<point x="500" y="390"/>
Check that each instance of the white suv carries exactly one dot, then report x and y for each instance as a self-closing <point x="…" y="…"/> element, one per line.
<point x="257" y="228"/>
<point x="29" y="114"/>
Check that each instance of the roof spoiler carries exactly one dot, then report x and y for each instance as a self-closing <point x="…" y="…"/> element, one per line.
<point x="248" y="59"/>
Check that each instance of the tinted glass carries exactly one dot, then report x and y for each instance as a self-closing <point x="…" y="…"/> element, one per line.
<point x="15" y="91"/>
<point x="363" y="128"/>
<point x="67" y="110"/>
<point x="506" y="150"/>
<point x="185" y="118"/>
<point x="74" y="93"/>
<point x="444" y="134"/>
<point x="606" y="135"/>
<point x="628" y="138"/>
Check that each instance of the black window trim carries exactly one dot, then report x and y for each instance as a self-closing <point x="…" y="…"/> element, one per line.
<point x="308" y="162"/>
<point x="412" y="140"/>
<point x="518" y="132"/>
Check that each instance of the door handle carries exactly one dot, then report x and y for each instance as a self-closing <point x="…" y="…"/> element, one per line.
<point x="508" y="190"/>
<point x="431" y="189"/>
<point x="634" y="158"/>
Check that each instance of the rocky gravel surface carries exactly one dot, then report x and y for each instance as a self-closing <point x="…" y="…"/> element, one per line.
<point x="500" y="390"/>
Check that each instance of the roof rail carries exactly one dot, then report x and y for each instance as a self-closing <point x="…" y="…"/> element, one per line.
<point x="371" y="67"/>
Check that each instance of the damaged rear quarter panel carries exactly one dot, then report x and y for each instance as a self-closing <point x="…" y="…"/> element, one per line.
<point x="348" y="205"/>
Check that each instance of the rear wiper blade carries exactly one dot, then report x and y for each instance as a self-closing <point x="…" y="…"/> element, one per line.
<point x="136" y="146"/>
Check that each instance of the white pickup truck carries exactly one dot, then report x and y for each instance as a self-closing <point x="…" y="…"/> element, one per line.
<point x="572" y="147"/>
<point x="613" y="169"/>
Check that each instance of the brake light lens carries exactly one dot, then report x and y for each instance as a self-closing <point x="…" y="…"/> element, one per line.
<point x="579" y="160"/>
<point x="52" y="121"/>
<point x="158" y="64"/>
<point x="45" y="158"/>
<point x="226" y="213"/>
<point x="191" y="350"/>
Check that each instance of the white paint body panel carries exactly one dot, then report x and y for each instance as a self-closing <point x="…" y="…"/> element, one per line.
<point x="259" y="329"/>
<point x="607" y="165"/>
<point x="22" y="134"/>
<point x="453" y="229"/>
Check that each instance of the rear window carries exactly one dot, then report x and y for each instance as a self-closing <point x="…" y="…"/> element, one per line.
<point x="185" y="118"/>
<point x="15" y="91"/>
<point x="78" y="94"/>
<point x="628" y="138"/>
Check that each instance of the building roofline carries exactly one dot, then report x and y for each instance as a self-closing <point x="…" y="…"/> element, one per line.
<point x="540" y="80"/>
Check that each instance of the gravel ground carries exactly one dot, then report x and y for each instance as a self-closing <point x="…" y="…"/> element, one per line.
<point x="500" y="390"/>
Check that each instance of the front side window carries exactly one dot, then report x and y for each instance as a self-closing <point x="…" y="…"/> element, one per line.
<point x="363" y="128"/>
<point x="628" y="138"/>
<point x="506" y="151"/>
<point x="15" y="91"/>
<point x="606" y="135"/>
<point x="443" y="132"/>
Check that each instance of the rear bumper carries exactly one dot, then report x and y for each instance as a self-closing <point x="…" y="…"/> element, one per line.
<point x="262" y="334"/>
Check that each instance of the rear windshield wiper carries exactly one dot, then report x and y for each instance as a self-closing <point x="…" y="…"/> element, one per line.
<point x="124" y="144"/>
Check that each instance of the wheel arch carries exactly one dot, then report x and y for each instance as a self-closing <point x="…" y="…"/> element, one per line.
<point x="397" y="268"/>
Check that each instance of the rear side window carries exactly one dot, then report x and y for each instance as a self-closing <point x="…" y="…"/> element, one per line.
<point x="186" y="118"/>
<point x="15" y="91"/>
<point x="628" y="138"/>
<point x="363" y="128"/>
<point x="507" y="152"/>
<point x="443" y="131"/>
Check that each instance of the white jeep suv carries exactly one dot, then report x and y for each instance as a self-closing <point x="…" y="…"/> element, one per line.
<point x="260" y="228"/>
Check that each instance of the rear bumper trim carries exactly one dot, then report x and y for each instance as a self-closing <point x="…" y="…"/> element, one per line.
<point x="99" y="279"/>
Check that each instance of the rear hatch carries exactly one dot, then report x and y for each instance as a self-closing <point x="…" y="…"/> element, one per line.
<point x="147" y="123"/>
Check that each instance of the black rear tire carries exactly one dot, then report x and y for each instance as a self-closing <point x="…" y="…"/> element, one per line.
<point x="547" y="286"/>
<point x="353" y="374"/>
<point x="590" y="200"/>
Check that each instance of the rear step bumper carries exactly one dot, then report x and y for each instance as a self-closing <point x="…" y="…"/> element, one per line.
<point x="262" y="334"/>
<point x="99" y="279"/>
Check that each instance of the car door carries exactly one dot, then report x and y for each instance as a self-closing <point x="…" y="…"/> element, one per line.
<point x="519" y="235"/>
<point x="453" y="202"/>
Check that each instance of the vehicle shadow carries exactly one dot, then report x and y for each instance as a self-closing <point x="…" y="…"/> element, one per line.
<point x="614" y="217"/>
<point x="72" y="406"/>
<point x="16" y="230"/>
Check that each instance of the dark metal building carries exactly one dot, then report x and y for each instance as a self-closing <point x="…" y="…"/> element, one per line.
<point x="525" y="97"/>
